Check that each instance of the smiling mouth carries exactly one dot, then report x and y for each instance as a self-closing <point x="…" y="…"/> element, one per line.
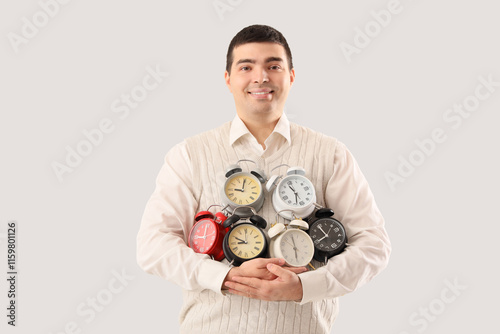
<point x="261" y="93"/>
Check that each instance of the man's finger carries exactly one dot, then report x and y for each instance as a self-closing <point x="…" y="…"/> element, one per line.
<point x="248" y="281"/>
<point x="296" y="270"/>
<point x="242" y="286"/>
<point x="278" y="271"/>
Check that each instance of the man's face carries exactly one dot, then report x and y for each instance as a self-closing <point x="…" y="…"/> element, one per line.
<point x="260" y="79"/>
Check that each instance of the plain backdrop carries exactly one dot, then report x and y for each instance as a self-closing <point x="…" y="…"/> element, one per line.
<point x="64" y="70"/>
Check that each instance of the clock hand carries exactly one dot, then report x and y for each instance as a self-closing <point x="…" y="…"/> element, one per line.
<point x="293" y="245"/>
<point x="295" y="193"/>
<point x="321" y="238"/>
<point x="242" y="241"/>
<point x="322" y="231"/>
<point x="243" y="186"/>
<point x="295" y="248"/>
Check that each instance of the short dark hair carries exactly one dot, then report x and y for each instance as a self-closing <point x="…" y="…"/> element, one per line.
<point x="257" y="33"/>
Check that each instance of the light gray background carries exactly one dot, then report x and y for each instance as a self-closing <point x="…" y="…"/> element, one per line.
<point x="443" y="220"/>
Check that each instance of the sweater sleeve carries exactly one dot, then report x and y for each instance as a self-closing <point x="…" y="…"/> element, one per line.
<point x="368" y="249"/>
<point x="162" y="248"/>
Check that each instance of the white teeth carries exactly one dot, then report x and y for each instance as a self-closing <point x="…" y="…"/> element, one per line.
<point x="260" y="93"/>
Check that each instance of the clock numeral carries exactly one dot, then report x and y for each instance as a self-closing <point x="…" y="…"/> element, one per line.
<point x="256" y="248"/>
<point x="252" y="198"/>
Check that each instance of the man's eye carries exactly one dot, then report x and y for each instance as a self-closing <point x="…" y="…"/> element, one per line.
<point x="245" y="68"/>
<point x="275" y="67"/>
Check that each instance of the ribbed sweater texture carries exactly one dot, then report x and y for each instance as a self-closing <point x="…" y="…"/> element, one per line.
<point x="206" y="312"/>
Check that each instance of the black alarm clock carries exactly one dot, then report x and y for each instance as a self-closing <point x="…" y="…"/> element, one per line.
<point x="328" y="235"/>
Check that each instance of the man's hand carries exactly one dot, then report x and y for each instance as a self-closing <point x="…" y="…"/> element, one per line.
<point x="265" y="279"/>
<point x="257" y="268"/>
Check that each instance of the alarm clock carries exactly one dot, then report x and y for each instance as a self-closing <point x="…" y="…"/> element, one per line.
<point x="291" y="243"/>
<point x="243" y="189"/>
<point x="207" y="234"/>
<point x="293" y="195"/>
<point x="328" y="235"/>
<point x="246" y="239"/>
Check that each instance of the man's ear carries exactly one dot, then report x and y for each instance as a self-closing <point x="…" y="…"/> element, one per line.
<point x="292" y="76"/>
<point x="227" y="78"/>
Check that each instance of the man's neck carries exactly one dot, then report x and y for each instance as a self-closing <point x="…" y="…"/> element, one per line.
<point x="261" y="127"/>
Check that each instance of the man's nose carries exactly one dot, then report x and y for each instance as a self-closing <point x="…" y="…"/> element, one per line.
<point x="261" y="76"/>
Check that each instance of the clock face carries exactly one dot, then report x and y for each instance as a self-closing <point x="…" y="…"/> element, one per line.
<point x="246" y="241"/>
<point x="242" y="189"/>
<point x="296" y="191"/>
<point x="328" y="235"/>
<point x="296" y="247"/>
<point x="203" y="236"/>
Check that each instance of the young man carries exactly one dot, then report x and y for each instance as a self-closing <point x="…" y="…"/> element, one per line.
<point x="262" y="295"/>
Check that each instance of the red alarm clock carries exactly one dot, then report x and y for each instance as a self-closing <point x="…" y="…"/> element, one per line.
<point x="207" y="234"/>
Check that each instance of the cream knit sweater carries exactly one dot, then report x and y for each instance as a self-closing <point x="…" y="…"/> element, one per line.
<point x="208" y="312"/>
<point x="339" y="184"/>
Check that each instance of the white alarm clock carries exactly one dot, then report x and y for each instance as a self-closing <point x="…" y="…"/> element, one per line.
<point x="291" y="243"/>
<point x="294" y="194"/>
